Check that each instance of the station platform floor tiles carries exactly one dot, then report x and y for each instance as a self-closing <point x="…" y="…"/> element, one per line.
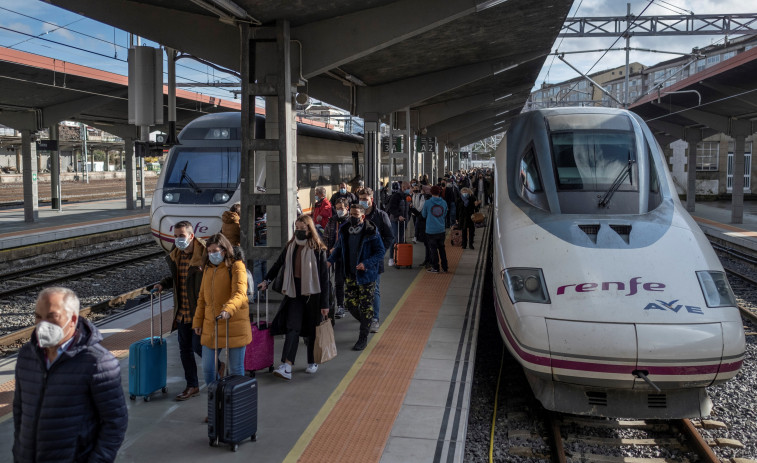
<point x="76" y="219"/>
<point x="403" y="399"/>
<point x="714" y="219"/>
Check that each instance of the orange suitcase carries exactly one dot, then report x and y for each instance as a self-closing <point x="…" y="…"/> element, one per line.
<point x="403" y="252"/>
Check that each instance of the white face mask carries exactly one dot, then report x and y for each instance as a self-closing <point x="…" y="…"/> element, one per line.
<point x="341" y="212"/>
<point x="49" y="334"/>
<point x="182" y="243"/>
<point x="215" y="258"/>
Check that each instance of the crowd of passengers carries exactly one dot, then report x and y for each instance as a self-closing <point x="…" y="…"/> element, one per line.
<point x="343" y="240"/>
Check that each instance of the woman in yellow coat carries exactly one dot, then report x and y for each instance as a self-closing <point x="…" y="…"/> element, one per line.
<point x="223" y="293"/>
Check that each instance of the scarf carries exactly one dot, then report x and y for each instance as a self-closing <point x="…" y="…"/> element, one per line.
<point x="309" y="281"/>
<point x="465" y="201"/>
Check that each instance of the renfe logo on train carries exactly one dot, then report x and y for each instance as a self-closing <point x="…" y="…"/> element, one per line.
<point x="633" y="286"/>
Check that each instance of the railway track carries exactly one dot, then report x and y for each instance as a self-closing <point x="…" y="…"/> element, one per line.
<point x="32" y="279"/>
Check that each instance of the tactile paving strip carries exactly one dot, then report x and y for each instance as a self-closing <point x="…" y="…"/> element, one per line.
<point x="358" y="426"/>
<point x="118" y="344"/>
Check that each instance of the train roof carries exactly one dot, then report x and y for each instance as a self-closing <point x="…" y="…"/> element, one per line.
<point x="234" y="120"/>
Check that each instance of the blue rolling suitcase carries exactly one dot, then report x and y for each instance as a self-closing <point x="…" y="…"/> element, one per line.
<point x="148" y="360"/>
<point x="232" y="405"/>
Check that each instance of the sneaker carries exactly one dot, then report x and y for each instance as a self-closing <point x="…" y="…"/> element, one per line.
<point x="360" y="344"/>
<point x="312" y="368"/>
<point x="284" y="371"/>
<point x="443" y="271"/>
<point x="415" y="241"/>
<point x="391" y="262"/>
<point x="339" y="312"/>
<point x="432" y="270"/>
<point x="471" y="246"/>
<point x="374" y="326"/>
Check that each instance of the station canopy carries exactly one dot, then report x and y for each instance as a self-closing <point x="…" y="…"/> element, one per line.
<point x="463" y="68"/>
<point x="720" y="99"/>
<point x="38" y="91"/>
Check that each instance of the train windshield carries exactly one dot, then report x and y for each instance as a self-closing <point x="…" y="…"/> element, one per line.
<point x="204" y="169"/>
<point x="595" y="160"/>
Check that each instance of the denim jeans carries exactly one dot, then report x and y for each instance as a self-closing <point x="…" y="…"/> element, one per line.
<point x="377" y="299"/>
<point x="189" y="345"/>
<point x="395" y="229"/>
<point x="235" y="365"/>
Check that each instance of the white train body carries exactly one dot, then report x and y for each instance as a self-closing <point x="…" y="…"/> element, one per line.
<point x="592" y="298"/>
<point x="209" y="153"/>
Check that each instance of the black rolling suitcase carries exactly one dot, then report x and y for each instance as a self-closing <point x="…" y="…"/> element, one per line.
<point x="232" y="405"/>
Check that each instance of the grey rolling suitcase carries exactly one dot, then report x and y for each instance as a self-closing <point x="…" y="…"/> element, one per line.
<point x="232" y="405"/>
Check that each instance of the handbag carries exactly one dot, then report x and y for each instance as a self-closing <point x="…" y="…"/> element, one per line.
<point x="325" y="346"/>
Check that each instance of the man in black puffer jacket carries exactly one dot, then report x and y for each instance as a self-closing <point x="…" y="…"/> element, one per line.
<point x="69" y="404"/>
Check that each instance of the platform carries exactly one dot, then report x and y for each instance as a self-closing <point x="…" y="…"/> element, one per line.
<point x="76" y="219"/>
<point x="714" y="219"/>
<point x="403" y="399"/>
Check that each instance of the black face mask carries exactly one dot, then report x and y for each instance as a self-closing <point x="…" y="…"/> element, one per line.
<point x="301" y="234"/>
<point x="354" y="221"/>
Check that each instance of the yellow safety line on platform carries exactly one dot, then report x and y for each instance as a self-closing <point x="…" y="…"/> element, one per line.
<point x="307" y="436"/>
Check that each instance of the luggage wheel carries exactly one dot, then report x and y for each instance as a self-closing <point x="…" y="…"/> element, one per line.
<point x="234" y="447"/>
<point x="214" y="442"/>
<point x="270" y="369"/>
<point x="147" y="398"/>
<point x="164" y="390"/>
<point x="132" y="397"/>
<point x="254" y="437"/>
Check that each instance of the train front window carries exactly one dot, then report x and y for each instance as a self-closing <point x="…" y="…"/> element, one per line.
<point x="593" y="160"/>
<point x="205" y="167"/>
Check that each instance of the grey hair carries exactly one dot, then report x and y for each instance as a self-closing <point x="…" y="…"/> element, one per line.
<point x="70" y="300"/>
<point x="320" y="189"/>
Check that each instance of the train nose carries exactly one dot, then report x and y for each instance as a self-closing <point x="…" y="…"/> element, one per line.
<point x="619" y="355"/>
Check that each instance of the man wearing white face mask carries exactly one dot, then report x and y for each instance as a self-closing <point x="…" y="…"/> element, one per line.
<point x="67" y="384"/>
<point x="185" y="262"/>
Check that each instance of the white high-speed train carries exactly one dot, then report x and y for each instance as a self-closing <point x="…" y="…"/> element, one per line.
<point x="201" y="175"/>
<point x="606" y="291"/>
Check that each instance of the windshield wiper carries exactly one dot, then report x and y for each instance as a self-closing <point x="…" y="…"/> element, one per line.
<point x="626" y="172"/>
<point x="189" y="180"/>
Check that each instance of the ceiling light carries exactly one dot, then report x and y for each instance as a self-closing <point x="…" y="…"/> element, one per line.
<point x="488" y="4"/>
<point x="503" y="112"/>
<point x="503" y="97"/>
<point x="512" y="66"/>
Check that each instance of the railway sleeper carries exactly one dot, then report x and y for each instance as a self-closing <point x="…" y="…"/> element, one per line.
<point x="669" y="442"/>
<point x="596" y="458"/>
<point x="723" y="442"/>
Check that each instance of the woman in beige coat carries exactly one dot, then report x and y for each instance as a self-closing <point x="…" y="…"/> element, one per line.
<point x="223" y="293"/>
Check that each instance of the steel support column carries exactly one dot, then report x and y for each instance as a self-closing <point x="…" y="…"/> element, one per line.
<point x="29" y="160"/>
<point x="737" y="192"/>
<point x="55" y="188"/>
<point x="692" y="138"/>
<point x="372" y="150"/>
<point x="131" y="177"/>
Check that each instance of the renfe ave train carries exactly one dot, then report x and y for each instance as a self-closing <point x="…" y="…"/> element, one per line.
<point x="606" y="291"/>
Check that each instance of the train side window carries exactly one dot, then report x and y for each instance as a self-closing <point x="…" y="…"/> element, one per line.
<point x="315" y="174"/>
<point x="529" y="171"/>
<point x="302" y="175"/>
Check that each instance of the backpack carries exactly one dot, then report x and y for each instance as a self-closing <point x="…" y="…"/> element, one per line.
<point x="250" y="282"/>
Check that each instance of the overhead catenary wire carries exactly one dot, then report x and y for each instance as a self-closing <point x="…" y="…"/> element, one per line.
<point x="108" y="42"/>
<point x="608" y="49"/>
<point x="546" y="77"/>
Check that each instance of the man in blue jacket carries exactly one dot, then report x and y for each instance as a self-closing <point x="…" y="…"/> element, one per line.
<point x="435" y="212"/>
<point x="69" y="404"/>
<point x="360" y="250"/>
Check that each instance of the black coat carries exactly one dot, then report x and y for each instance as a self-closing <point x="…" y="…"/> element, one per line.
<point x="464" y="212"/>
<point x="73" y="412"/>
<point x="312" y="316"/>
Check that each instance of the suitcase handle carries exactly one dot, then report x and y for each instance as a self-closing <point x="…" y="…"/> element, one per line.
<point x="215" y="353"/>
<point x="152" y="316"/>
<point x="266" y="306"/>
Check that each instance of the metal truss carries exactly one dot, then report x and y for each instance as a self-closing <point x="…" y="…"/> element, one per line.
<point x="484" y="149"/>
<point x="699" y="24"/>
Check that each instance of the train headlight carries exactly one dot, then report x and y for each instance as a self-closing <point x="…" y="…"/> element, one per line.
<point x="221" y="197"/>
<point x="171" y="197"/>
<point x="525" y="285"/>
<point x="218" y="134"/>
<point x="716" y="290"/>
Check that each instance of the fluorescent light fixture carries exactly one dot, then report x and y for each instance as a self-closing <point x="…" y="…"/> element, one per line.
<point x="488" y="4"/>
<point x="503" y="112"/>
<point x="500" y="122"/>
<point x="503" y="97"/>
<point x="232" y="8"/>
<point x="512" y="66"/>
<point x="355" y="80"/>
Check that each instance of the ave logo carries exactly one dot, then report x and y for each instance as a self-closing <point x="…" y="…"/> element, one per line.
<point x="672" y="306"/>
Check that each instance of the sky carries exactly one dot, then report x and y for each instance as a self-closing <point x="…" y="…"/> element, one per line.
<point x="555" y="71"/>
<point x="33" y="26"/>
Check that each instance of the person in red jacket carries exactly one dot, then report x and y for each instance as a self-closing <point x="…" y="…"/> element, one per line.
<point x="322" y="209"/>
